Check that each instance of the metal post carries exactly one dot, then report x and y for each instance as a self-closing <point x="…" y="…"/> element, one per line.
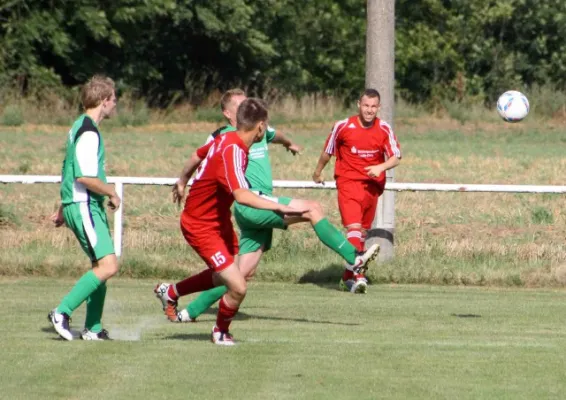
<point x="380" y="74"/>
<point x="118" y="220"/>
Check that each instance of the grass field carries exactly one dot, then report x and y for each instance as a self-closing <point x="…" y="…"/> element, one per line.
<point x="441" y="238"/>
<point x="295" y="342"/>
<point x="304" y="340"/>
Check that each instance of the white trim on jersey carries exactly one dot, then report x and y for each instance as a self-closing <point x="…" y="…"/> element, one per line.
<point x="237" y="162"/>
<point x="86" y="151"/>
<point x="209" y="139"/>
<point x="79" y="192"/>
<point x="392" y="142"/>
<point x="332" y="141"/>
<point x="87" y="224"/>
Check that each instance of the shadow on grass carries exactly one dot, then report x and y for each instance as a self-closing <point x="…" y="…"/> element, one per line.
<point x="199" y="337"/>
<point x="327" y="278"/>
<point x="466" y="315"/>
<point x="49" y="329"/>
<point x="242" y="316"/>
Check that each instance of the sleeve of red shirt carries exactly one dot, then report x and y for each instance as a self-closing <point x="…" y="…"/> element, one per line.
<point x="333" y="139"/>
<point x="203" y="150"/>
<point x="329" y="149"/>
<point x="391" y="144"/>
<point x="235" y="161"/>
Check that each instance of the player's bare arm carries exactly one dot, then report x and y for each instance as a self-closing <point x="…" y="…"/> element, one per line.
<point x="376" y="170"/>
<point x="188" y="170"/>
<point x="250" y="199"/>
<point x="97" y="186"/>
<point x="280" y="138"/>
<point x="322" y="161"/>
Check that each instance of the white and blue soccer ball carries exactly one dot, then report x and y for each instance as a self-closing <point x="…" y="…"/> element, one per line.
<point x="513" y="106"/>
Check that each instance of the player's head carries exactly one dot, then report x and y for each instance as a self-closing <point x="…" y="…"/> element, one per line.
<point x="229" y="103"/>
<point x="252" y="117"/>
<point x="99" y="91"/>
<point x="368" y="105"/>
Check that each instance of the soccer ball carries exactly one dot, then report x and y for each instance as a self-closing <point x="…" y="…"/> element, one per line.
<point x="512" y="106"/>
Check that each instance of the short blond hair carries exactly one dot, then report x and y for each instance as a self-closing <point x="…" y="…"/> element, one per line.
<point x="227" y="97"/>
<point x="97" y="89"/>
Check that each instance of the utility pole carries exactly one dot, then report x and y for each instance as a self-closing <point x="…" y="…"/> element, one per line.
<point x="380" y="75"/>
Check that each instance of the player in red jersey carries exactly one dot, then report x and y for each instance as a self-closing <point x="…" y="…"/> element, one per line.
<point x="256" y="226"/>
<point x="365" y="147"/>
<point x="206" y="219"/>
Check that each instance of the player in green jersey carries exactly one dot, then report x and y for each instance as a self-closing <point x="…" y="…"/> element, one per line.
<point x="83" y="188"/>
<point x="256" y="226"/>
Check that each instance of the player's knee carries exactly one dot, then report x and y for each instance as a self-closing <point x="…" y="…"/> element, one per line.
<point x="107" y="267"/>
<point x="315" y="210"/>
<point x="110" y="270"/>
<point x="250" y="274"/>
<point x="239" y="290"/>
<point x="113" y="269"/>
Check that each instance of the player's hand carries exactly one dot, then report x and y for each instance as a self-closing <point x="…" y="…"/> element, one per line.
<point x="290" y="211"/>
<point x="114" y="202"/>
<point x="178" y="191"/>
<point x="374" y="171"/>
<point x="57" y="218"/>
<point x="294" y="149"/>
<point x="317" y="177"/>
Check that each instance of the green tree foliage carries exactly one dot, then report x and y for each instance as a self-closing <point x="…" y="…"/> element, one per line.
<point x="451" y="48"/>
<point x="169" y="50"/>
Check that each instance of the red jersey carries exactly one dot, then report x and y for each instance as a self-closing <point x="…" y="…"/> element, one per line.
<point x="357" y="147"/>
<point x="224" y="162"/>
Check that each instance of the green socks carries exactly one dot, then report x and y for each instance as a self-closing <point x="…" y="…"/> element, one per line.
<point x="84" y="287"/>
<point x="333" y="238"/>
<point x="94" y="308"/>
<point x="205" y="300"/>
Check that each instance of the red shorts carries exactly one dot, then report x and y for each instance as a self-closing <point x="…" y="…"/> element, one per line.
<point x="217" y="246"/>
<point x="357" y="201"/>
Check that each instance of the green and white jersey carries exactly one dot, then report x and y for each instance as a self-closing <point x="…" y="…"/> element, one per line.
<point x="258" y="173"/>
<point x="84" y="158"/>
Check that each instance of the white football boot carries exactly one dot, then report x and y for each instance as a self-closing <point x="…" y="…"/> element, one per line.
<point x="169" y="305"/>
<point x="183" y="316"/>
<point x="60" y="322"/>
<point x="359" y="284"/>
<point x="362" y="261"/>
<point x="89" y="335"/>
<point x="221" y="338"/>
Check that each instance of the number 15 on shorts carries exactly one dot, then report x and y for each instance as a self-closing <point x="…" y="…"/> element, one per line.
<point x="218" y="259"/>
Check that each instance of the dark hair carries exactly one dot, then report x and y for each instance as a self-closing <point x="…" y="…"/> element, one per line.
<point x="227" y="97"/>
<point x="250" y="112"/>
<point x="371" y="93"/>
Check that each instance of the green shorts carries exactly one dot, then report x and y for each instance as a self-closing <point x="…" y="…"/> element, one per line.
<point x="256" y="226"/>
<point x="89" y="224"/>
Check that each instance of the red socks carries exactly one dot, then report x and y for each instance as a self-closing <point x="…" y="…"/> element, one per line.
<point x="358" y="239"/>
<point x="347" y="275"/>
<point x="225" y="315"/>
<point x="355" y="237"/>
<point x="196" y="283"/>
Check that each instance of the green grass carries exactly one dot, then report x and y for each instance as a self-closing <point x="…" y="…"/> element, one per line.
<point x="12" y="116"/>
<point x="295" y="342"/>
<point x="441" y="238"/>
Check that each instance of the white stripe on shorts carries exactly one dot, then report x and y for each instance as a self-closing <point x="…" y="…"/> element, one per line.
<point x="87" y="224"/>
